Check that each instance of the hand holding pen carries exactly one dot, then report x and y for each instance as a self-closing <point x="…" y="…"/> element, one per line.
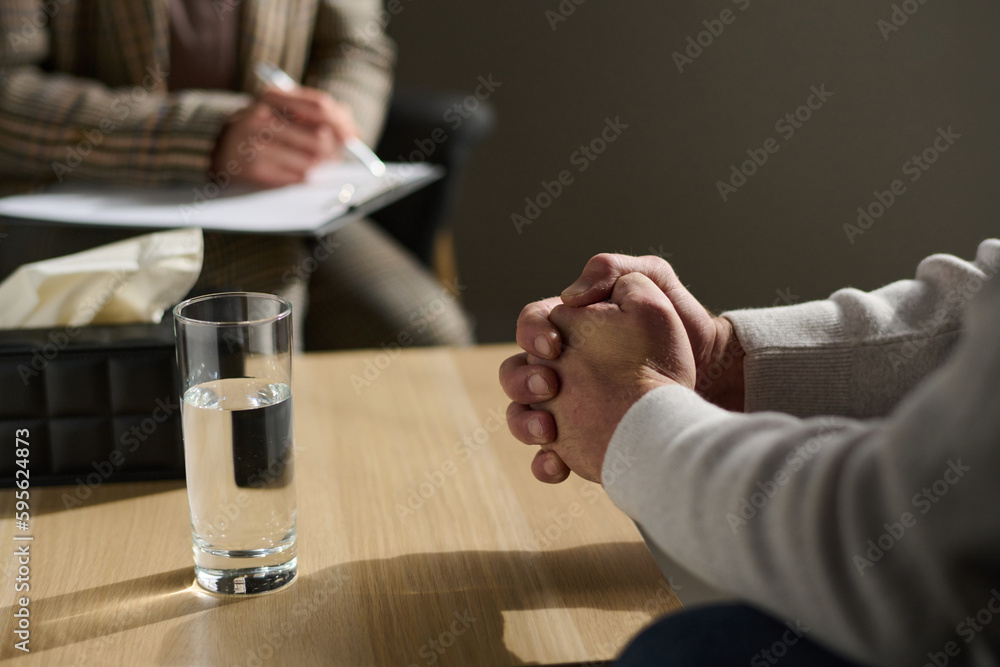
<point x="282" y="135"/>
<point x="272" y="76"/>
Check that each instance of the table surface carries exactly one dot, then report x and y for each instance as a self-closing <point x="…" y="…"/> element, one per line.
<point x="423" y="539"/>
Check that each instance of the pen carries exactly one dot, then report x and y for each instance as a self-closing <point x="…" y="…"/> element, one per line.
<point x="271" y="75"/>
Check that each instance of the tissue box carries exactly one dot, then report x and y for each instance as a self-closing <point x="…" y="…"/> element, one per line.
<point x="99" y="404"/>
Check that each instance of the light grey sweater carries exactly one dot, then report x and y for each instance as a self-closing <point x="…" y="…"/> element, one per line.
<point x="861" y="494"/>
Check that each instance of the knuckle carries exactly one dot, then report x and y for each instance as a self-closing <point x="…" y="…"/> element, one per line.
<point x="516" y="414"/>
<point x="324" y="134"/>
<point x="604" y="260"/>
<point x="310" y="151"/>
<point x="658" y="265"/>
<point x="529" y="313"/>
<point x="327" y="106"/>
<point x="559" y="310"/>
<point x="253" y="170"/>
<point x="633" y="280"/>
<point x="510" y="385"/>
<point x="306" y="106"/>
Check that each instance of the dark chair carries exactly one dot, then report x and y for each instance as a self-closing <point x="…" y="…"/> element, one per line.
<point x="426" y="126"/>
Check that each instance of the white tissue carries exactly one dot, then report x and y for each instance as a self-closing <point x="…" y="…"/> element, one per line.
<point x="130" y="281"/>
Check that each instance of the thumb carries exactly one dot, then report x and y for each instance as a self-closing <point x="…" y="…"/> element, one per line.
<point x="602" y="272"/>
<point x="596" y="281"/>
<point x="634" y="291"/>
<point x="599" y="278"/>
<point x="661" y="325"/>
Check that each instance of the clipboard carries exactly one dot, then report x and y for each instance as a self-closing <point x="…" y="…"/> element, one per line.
<point x="334" y="195"/>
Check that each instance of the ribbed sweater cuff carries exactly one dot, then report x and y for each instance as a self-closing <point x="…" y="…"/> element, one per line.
<point x="797" y="361"/>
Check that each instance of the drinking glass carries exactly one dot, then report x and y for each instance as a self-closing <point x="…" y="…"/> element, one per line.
<point x="234" y="357"/>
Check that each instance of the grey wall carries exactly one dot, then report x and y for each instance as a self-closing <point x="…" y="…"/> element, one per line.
<point x="655" y="186"/>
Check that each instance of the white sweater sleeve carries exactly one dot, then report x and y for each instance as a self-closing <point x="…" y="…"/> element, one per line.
<point x="857" y="353"/>
<point x="881" y="536"/>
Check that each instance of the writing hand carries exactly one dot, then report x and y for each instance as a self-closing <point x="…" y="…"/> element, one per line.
<point x="276" y="140"/>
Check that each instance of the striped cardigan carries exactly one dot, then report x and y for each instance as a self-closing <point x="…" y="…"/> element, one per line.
<point x="83" y="89"/>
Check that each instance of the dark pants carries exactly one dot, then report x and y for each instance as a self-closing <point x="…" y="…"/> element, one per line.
<point x="727" y="634"/>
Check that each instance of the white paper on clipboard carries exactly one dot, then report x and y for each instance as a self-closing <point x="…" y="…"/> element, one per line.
<point x="312" y="208"/>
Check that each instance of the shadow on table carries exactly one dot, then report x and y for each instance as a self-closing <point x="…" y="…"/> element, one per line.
<point x="52" y="499"/>
<point x="419" y="609"/>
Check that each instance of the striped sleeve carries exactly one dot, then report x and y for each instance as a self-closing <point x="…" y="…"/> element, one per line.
<point x="56" y="127"/>
<point x="352" y="59"/>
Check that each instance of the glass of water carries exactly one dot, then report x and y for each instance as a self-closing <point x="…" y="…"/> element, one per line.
<point x="234" y="356"/>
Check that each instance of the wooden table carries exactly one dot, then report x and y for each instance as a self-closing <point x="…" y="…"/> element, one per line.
<point x="423" y="539"/>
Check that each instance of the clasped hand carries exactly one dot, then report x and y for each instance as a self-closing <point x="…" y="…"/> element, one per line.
<point x="625" y="327"/>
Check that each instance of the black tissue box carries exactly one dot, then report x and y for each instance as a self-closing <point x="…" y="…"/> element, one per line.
<point x="99" y="404"/>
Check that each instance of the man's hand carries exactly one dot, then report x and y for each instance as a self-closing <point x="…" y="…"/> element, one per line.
<point x="718" y="357"/>
<point x="711" y="337"/>
<point x="276" y="140"/>
<point x="616" y="352"/>
<point x="526" y="382"/>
